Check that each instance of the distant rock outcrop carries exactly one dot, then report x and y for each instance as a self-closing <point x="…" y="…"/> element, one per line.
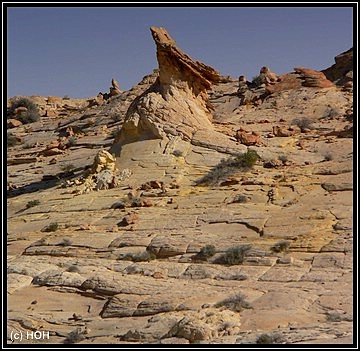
<point x="341" y="72"/>
<point x="312" y="78"/>
<point x="301" y="77"/>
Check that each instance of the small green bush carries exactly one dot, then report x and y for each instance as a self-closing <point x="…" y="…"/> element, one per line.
<point x="32" y="203"/>
<point x="280" y="246"/>
<point x="246" y="160"/>
<point x="52" y="227"/>
<point x="235" y="255"/>
<point x="235" y="303"/>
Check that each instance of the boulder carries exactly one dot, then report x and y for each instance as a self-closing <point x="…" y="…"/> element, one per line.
<point x="246" y="138"/>
<point x="312" y="78"/>
<point x="13" y="123"/>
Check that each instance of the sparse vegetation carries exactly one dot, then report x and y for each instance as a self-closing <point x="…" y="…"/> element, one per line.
<point x="236" y="303"/>
<point x="269" y="339"/>
<point x="136" y="202"/>
<point x="32" y="203"/>
<point x="67" y="168"/>
<point x="239" y="198"/>
<point x="257" y="80"/>
<point x="31" y="114"/>
<point x="138" y="257"/>
<point x="283" y="158"/>
<point x="11" y="140"/>
<point x="72" y="141"/>
<point x="28" y="146"/>
<point x="247" y="160"/>
<point x="52" y="227"/>
<point x="280" y="246"/>
<point x="73" y="269"/>
<point x="65" y="242"/>
<point x="235" y="255"/>
<point x="328" y="157"/>
<point x="205" y="252"/>
<point x="75" y="336"/>
<point x="225" y="168"/>
<point x="303" y="123"/>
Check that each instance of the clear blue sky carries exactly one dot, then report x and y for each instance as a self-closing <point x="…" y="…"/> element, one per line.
<point x="76" y="51"/>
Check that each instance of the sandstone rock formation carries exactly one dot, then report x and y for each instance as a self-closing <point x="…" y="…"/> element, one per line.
<point x="267" y="77"/>
<point x="264" y="254"/>
<point x="177" y="102"/>
<point x="174" y="113"/>
<point x="341" y="71"/>
<point x="115" y="88"/>
<point x="312" y="78"/>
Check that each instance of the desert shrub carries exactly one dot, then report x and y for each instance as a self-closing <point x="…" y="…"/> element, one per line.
<point x="67" y="168"/>
<point x="328" y="157"/>
<point x="75" y="336"/>
<point x="52" y="227"/>
<point x="72" y="141"/>
<point x="239" y="198"/>
<point x="28" y="146"/>
<point x="73" y="269"/>
<point x="29" y="116"/>
<point x="269" y="339"/>
<point x="138" y="257"/>
<point x="207" y="251"/>
<point x="280" y="246"/>
<point x="11" y="140"/>
<point x="303" y="123"/>
<point x="65" y="242"/>
<point x="66" y="97"/>
<point x="225" y="168"/>
<point x="119" y="204"/>
<point x="283" y="158"/>
<point x="32" y="203"/>
<point x="235" y="255"/>
<point x="235" y="303"/>
<point x="247" y="160"/>
<point x="136" y="202"/>
<point x="257" y="81"/>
